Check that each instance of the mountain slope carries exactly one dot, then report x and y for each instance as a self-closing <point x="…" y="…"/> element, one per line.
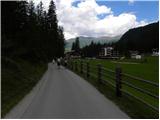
<point x="143" y="39"/>
<point x="87" y="40"/>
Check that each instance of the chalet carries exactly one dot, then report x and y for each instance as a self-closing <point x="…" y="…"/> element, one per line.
<point x="108" y="52"/>
<point x="138" y="56"/>
<point x="135" y="55"/>
<point x="155" y="52"/>
<point x="72" y="54"/>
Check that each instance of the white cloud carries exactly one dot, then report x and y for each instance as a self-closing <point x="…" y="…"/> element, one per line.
<point x="131" y="1"/>
<point x="83" y="21"/>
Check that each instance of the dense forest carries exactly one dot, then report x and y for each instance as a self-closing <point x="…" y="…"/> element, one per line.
<point x="91" y="50"/>
<point x="30" y="33"/>
<point x="84" y="41"/>
<point x="31" y="38"/>
<point x="76" y="45"/>
<point x="142" y="39"/>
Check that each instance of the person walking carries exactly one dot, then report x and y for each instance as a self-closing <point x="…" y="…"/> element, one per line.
<point x="58" y="63"/>
<point x="53" y="61"/>
<point x="65" y="62"/>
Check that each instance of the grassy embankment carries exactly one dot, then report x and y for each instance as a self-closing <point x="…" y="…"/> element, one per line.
<point x="18" y="78"/>
<point x="147" y="70"/>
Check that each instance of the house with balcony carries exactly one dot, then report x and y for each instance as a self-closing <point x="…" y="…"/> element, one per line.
<point x="108" y="52"/>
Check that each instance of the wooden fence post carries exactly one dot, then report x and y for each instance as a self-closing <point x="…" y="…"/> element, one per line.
<point x="75" y="65"/>
<point x="99" y="73"/>
<point x="118" y="81"/>
<point x="88" y="70"/>
<point x="69" y="64"/>
<point x="72" y="65"/>
<point x="82" y="67"/>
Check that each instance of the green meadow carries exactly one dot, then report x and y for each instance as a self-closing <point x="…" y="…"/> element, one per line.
<point x="147" y="69"/>
<point x="18" y="79"/>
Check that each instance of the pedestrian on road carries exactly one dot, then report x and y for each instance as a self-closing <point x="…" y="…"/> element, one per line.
<point x="65" y="62"/>
<point x="53" y="61"/>
<point x="58" y="63"/>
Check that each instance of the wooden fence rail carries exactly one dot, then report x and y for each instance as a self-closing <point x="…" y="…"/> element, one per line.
<point x="86" y="69"/>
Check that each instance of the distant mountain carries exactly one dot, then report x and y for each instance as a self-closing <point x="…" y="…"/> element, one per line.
<point x="87" y="40"/>
<point x="143" y="39"/>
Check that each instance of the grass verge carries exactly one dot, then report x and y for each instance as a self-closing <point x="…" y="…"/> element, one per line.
<point x="133" y="107"/>
<point x="18" y="77"/>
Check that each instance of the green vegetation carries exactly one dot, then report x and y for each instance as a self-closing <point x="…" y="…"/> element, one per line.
<point x="86" y="41"/>
<point x="146" y="69"/>
<point x="143" y="39"/>
<point x="18" y="78"/>
<point x="31" y="33"/>
<point x="75" y="45"/>
<point x="31" y="38"/>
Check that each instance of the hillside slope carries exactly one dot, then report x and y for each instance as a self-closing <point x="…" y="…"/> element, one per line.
<point x="143" y="39"/>
<point x="87" y="41"/>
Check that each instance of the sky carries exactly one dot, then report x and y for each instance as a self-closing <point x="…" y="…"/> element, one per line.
<point x="96" y="18"/>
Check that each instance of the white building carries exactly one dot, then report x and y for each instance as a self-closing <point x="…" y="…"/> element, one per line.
<point x="138" y="56"/>
<point x="135" y="55"/>
<point x="108" y="52"/>
<point x="155" y="52"/>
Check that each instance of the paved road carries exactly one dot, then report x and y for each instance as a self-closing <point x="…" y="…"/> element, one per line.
<point x="63" y="94"/>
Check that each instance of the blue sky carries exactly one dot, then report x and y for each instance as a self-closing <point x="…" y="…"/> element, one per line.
<point x="144" y="10"/>
<point x="96" y="18"/>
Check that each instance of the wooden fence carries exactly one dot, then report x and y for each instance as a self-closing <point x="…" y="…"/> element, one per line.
<point x="116" y="78"/>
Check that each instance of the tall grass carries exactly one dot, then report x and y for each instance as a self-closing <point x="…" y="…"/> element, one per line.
<point x="17" y="79"/>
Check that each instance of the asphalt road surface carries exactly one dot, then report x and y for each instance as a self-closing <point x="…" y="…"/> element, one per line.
<point x="63" y="94"/>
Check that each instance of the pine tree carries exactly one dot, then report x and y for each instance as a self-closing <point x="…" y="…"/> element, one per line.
<point x="52" y="31"/>
<point x="31" y="33"/>
<point x="40" y="14"/>
<point x="41" y="31"/>
<point x="61" y="42"/>
<point x="14" y="18"/>
<point x="73" y="46"/>
<point x="77" y="47"/>
<point x="51" y="16"/>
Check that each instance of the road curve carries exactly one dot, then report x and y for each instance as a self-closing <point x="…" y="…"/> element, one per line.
<point x="63" y="94"/>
